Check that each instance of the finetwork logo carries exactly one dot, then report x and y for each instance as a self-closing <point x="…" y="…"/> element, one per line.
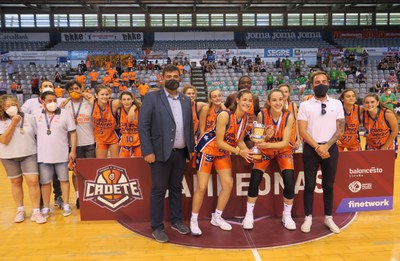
<point x="365" y="204"/>
<point x="357" y="172"/>
<point x="112" y="188"/>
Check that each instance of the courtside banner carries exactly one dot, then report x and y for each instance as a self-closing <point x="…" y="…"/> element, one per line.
<point x="364" y="181"/>
<point x="119" y="189"/>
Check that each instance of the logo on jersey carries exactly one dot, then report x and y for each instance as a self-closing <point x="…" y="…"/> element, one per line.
<point x="112" y="188"/>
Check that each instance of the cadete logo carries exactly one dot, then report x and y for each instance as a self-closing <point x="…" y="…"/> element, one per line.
<point x="112" y="188"/>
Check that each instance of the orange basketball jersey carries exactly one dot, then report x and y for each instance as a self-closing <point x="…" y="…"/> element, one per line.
<point x="377" y="130"/>
<point x="129" y="131"/>
<point x="211" y="119"/>
<point x="208" y="142"/>
<point x="278" y="127"/>
<point x="351" y="135"/>
<point x="104" y="123"/>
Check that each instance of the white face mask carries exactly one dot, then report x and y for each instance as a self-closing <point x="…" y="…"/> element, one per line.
<point x="12" y="111"/>
<point x="52" y="106"/>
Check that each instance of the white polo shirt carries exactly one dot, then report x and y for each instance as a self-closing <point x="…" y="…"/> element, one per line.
<point x="54" y="148"/>
<point x="84" y="129"/>
<point x="321" y="127"/>
<point x="20" y="145"/>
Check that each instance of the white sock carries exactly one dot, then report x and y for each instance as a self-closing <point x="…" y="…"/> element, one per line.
<point x="195" y="216"/>
<point x="45" y="209"/>
<point x="218" y="213"/>
<point x="77" y="194"/>
<point x="328" y="217"/>
<point x="249" y="208"/>
<point x="287" y="209"/>
<point x="21" y="208"/>
<point x="36" y="210"/>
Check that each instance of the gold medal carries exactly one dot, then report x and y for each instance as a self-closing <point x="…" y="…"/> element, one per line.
<point x="48" y="131"/>
<point x="21" y="130"/>
<point x="76" y="121"/>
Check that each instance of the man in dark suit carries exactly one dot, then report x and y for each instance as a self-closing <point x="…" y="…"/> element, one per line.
<point x="166" y="135"/>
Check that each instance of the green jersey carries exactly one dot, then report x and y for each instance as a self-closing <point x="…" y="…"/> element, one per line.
<point x="342" y="76"/>
<point x="287" y="63"/>
<point x="279" y="78"/>
<point x="270" y="79"/>
<point x="297" y="64"/>
<point x="302" y="80"/>
<point x="391" y="98"/>
<point x="333" y="74"/>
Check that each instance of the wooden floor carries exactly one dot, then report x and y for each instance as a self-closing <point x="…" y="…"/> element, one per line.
<point x="373" y="236"/>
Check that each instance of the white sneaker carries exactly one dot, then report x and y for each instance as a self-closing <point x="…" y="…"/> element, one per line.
<point x="248" y="222"/>
<point x="19" y="217"/>
<point x="38" y="218"/>
<point x="288" y="222"/>
<point x="331" y="225"/>
<point x="220" y="222"/>
<point x="306" y="227"/>
<point x="194" y="227"/>
<point x="67" y="211"/>
<point x="45" y="212"/>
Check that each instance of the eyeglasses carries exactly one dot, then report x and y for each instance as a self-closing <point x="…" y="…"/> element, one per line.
<point x="323" y="107"/>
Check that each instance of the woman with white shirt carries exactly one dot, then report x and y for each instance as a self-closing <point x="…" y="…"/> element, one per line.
<point x="18" y="155"/>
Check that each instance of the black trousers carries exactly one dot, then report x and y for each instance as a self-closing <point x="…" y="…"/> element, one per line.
<point x="311" y="162"/>
<point x="167" y="175"/>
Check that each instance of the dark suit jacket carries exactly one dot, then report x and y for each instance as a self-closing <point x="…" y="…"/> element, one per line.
<point x="157" y="125"/>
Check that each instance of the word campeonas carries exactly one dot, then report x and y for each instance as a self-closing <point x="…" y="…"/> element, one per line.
<point x="271" y="183"/>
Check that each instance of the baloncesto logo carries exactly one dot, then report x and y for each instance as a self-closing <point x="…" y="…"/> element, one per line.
<point x="112" y="188"/>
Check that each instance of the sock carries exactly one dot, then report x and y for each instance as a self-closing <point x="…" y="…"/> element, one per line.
<point x="66" y="206"/>
<point x="218" y="213"/>
<point x="249" y="208"/>
<point x="77" y="194"/>
<point x="21" y="208"/>
<point x="45" y="209"/>
<point x="326" y="217"/>
<point x="36" y="210"/>
<point x="195" y="216"/>
<point x="287" y="209"/>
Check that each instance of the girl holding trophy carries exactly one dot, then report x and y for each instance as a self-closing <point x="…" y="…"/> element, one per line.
<point x="214" y="148"/>
<point x="279" y="125"/>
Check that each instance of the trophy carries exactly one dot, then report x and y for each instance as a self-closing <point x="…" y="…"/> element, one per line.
<point x="258" y="135"/>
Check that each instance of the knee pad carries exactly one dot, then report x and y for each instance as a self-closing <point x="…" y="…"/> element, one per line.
<point x="255" y="180"/>
<point x="288" y="182"/>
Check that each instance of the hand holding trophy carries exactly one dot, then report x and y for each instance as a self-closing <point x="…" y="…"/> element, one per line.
<point x="258" y="134"/>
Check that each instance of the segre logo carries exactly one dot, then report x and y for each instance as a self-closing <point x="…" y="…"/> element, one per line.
<point x="112" y="188"/>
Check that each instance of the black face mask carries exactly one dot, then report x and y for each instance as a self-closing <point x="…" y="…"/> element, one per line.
<point x="172" y="84"/>
<point x="320" y="90"/>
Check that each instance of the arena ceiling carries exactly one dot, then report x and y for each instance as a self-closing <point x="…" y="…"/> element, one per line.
<point x="151" y="6"/>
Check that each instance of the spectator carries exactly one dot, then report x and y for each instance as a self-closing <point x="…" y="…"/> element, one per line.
<point x="35" y="84"/>
<point x="10" y="69"/>
<point x="388" y="98"/>
<point x="57" y="77"/>
<point x="20" y="93"/>
<point x="377" y="87"/>
<point x="342" y="79"/>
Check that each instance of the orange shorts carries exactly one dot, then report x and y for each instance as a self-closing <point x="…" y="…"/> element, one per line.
<point x="103" y="146"/>
<point x="284" y="160"/>
<point x="130" y="152"/>
<point x="204" y="162"/>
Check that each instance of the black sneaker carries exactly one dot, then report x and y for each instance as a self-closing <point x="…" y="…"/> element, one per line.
<point x="160" y="236"/>
<point x="77" y="203"/>
<point x="59" y="202"/>
<point x="181" y="228"/>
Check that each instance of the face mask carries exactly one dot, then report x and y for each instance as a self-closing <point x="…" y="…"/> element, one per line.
<point x="75" y="95"/>
<point x="172" y="84"/>
<point x="47" y="89"/>
<point x="12" y="111"/>
<point x="320" y="90"/>
<point x="52" y="106"/>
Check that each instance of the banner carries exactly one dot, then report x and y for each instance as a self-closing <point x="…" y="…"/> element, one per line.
<point x="24" y="37"/>
<point x="364" y="34"/>
<point x="282" y="52"/>
<point x="284" y="35"/>
<point x="119" y="189"/>
<point x="102" y="36"/>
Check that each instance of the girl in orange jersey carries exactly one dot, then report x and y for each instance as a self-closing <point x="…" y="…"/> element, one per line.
<point x="350" y="139"/>
<point x="292" y="108"/>
<point x="380" y="124"/>
<point x="191" y="92"/>
<point x="128" y="121"/>
<point x="276" y="146"/>
<point x="209" y="113"/>
<point x="214" y="148"/>
<point x="105" y="123"/>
